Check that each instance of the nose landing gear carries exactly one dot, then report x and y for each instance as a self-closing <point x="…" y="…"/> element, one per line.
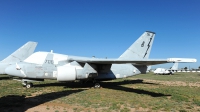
<point x="27" y="85"/>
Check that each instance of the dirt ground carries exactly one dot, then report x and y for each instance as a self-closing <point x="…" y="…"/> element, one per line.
<point x="173" y="83"/>
<point x="29" y="106"/>
<point x="54" y="107"/>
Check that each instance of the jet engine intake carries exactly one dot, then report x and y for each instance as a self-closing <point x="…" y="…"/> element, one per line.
<point x="66" y="73"/>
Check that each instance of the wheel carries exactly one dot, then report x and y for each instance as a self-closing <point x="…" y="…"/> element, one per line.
<point x="97" y="85"/>
<point x="29" y="85"/>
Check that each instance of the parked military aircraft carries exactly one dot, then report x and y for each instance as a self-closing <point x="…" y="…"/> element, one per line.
<point x="163" y="71"/>
<point x="19" y="55"/>
<point x="148" y="69"/>
<point x="49" y="65"/>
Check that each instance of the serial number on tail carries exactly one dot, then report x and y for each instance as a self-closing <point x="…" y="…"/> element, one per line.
<point x="49" y="61"/>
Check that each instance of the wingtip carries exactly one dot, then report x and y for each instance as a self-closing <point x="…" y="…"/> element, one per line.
<point x="184" y="60"/>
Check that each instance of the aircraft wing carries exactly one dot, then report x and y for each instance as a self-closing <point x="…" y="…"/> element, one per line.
<point x="134" y="62"/>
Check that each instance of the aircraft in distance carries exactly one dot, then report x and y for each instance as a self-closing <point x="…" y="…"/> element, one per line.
<point x="19" y="55"/>
<point x="148" y="69"/>
<point x="49" y="65"/>
<point x="170" y="71"/>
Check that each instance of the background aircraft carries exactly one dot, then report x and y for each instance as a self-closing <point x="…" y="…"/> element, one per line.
<point x="173" y="69"/>
<point x="19" y="55"/>
<point x="49" y="65"/>
<point x="148" y="69"/>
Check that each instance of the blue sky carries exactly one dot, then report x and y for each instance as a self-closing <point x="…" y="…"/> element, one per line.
<point x="102" y="28"/>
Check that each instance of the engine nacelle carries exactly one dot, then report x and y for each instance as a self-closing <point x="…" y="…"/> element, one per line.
<point x="88" y="71"/>
<point x="66" y="73"/>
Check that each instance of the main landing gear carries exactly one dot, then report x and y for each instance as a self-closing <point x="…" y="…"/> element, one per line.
<point x="96" y="84"/>
<point x="27" y="85"/>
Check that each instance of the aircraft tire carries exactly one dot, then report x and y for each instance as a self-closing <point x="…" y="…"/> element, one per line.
<point x="97" y="85"/>
<point x="29" y="85"/>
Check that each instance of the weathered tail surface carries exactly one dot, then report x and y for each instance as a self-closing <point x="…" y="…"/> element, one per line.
<point x="49" y="59"/>
<point x="141" y="48"/>
<point x="175" y="66"/>
<point x="22" y="53"/>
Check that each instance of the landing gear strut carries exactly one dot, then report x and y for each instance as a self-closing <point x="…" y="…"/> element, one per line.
<point x="27" y="85"/>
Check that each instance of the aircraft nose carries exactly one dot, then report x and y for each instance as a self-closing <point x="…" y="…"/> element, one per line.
<point x="11" y="70"/>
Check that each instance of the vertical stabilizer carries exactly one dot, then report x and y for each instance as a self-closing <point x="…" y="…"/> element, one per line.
<point x="141" y="48"/>
<point x="22" y="53"/>
<point x="48" y="59"/>
<point x="175" y="66"/>
<point x="148" y="68"/>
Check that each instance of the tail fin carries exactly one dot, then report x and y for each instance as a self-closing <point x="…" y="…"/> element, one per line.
<point x="22" y="53"/>
<point x="175" y="66"/>
<point x="48" y="59"/>
<point x="40" y="58"/>
<point x="141" y="48"/>
<point x="148" y="68"/>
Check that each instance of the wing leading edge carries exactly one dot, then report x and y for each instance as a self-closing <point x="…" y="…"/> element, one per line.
<point x="134" y="62"/>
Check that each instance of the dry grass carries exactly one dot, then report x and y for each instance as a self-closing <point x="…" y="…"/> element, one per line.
<point x="145" y="92"/>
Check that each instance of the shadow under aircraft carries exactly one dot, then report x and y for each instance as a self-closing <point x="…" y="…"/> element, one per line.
<point x="7" y="103"/>
<point x="10" y="102"/>
<point x="109" y="85"/>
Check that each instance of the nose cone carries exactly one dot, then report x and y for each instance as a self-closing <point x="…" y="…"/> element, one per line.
<point x="11" y="70"/>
